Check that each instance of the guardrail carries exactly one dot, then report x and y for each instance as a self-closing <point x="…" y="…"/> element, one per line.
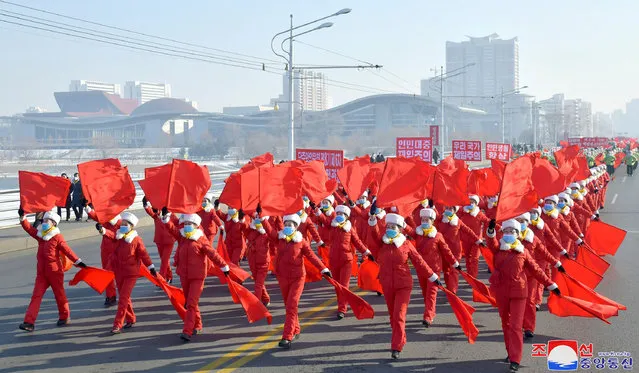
<point x="10" y="199"/>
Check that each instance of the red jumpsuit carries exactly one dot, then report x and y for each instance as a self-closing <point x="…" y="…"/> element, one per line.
<point x="560" y="228"/>
<point x="257" y="251"/>
<point x="508" y="283"/>
<point x="552" y="244"/>
<point x="433" y="248"/>
<point x="342" y="238"/>
<point x="582" y="212"/>
<point x="306" y="228"/>
<point x="453" y="231"/>
<point x="477" y="222"/>
<point x="164" y="241"/>
<point x="359" y="218"/>
<point x="324" y="229"/>
<point x="396" y="279"/>
<point x="570" y="218"/>
<point x="191" y="261"/>
<point x="210" y="223"/>
<point x="125" y="262"/>
<point x="371" y="239"/>
<point x="235" y="241"/>
<point x="290" y="272"/>
<point x="106" y="247"/>
<point x="49" y="270"/>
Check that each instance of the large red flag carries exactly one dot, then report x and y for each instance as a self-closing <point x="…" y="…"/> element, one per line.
<point x="464" y="314"/>
<point x="566" y="306"/>
<point x="280" y="190"/>
<point x="108" y="186"/>
<point x="619" y="159"/>
<point x="188" y="185"/>
<point x="582" y="273"/>
<point x="450" y="182"/>
<point x="236" y="273"/>
<point x="604" y="238"/>
<point x="405" y="182"/>
<point x="250" y="190"/>
<point x="368" y="277"/>
<point x="312" y="273"/>
<point x="221" y="249"/>
<point x="361" y="308"/>
<point x="98" y="279"/>
<point x="481" y="293"/>
<point x="488" y="257"/>
<point x="264" y="160"/>
<point x="92" y="170"/>
<point x="315" y="182"/>
<point x="253" y="307"/>
<point x="232" y="192"/>
<point x="483" y="182"/>
<point x="498" y="168"/>
<point x="323" y="252"/>
<point x="517" y="194"/>
<point x="599" y="160"/>
<point x="590" y="259"/>
<point x="355" y="177"/>
<point x="566" y="155"/>
<point x="546" y="178"/>
<point x="156" y="184"/>
<point x="574" y="288"/>
<point x="175" y="295"/>
<point x="42" y="192"/>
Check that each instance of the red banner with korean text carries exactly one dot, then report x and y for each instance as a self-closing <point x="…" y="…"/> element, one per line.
<point x="333" y="159"/>
<point x="415" y="147"/>
<point x="434" y="134"/>
<point x="498" y="151"/>
<point x="469" y="151"/>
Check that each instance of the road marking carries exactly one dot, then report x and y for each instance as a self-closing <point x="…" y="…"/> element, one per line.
<point x="624" y="179"/>
<point x="614" y="199"/>
<point x="250" y="345"/>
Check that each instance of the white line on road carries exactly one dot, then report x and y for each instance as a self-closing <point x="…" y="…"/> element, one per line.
<point x="624" y="179"/>
<point x="614" y="199"/>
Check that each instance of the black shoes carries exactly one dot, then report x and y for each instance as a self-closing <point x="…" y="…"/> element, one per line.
<point x="513" y="367"/>
<point x="116" y="331"/>
<point x="379" y="294"/>
<point x="185" y="337"/>
<point x="507" y="360"/>
<point x="197" y="331"/>
<point x="537" y="307"/>
<point x="426" y="323"/>
<point x="395" y="355"/>
<point x="340" y="315"/>
<point x="26" y="327"/>
<point x="285" y="344"/>
<point x="62" y="322"/>
<point x="110" y="302"/>
<point x="128" y="325"/>
<point x="528" y="334"/>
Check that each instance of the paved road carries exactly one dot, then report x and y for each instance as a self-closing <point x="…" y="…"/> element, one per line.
<point x="230" y="343"/>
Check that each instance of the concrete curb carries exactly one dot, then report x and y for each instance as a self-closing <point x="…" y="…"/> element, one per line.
<point x="25" y="243"/>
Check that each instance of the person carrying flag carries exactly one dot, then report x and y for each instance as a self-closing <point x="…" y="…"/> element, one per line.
<point x="106" y="250"/>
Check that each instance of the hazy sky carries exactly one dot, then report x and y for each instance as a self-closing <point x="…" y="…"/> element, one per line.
<point x="587" y="49"/>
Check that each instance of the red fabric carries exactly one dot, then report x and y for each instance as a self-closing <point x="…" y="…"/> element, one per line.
<point x="252" y="305"/>
<point x="315" y="182"/>
<point x="405" y="182"/>
<point x="498" y="168"/>
<point x="546" y="178"/>
<point x="450" y="184"/>
<point x="324" y="254"/>
<point x="98" y="279"/>
<point x="264" y="160"/>
<point x="355" y="177"/>
<point x="188" y="185"/>
<point x="176" y="295"/>
<point x="42" y="192"/>
<point x="367" y="278"/>
<point x="66" y="263"/>
<point x="488" y="257"/>
<point x="109" y="188"/>
<point x="599" y="160"/>
<point x="125" y="306"/>
<point x="591" y="260"/>
<point x="221" y="249"/>
<point x="361" y="308"/>
<point x="604" y="238"/>
<point x="156" y="184"/>
<point x="517" y="194"/>
<point x="232" y="192"/>
<point x="481" y="293"/>
<point x="566" y="155"/>
<point x="236" y="273"/>
<point x="312" y="273"/>
<point x="618" y="159"/>
<point x="581" y="273"/>
<point x="280" y="191"/>
<point x="574" y="288"/>
<point x="464" y="314"/>
<point x="483" y="182"/>
<point x="565" y="306"/>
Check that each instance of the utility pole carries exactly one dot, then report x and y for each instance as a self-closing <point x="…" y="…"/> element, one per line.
<point x="503" y="123"/>
<point x="291" y="108"/>
<point x="443" y="134"/>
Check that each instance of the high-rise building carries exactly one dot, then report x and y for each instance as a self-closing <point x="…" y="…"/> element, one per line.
<point x="143" y="92"/>
<point x="309" y="91"/>
<point x="577" y="118"/>
<point x="553" y="109"/>
<point x="89" y="85"/>
<point x="495" y="67"/>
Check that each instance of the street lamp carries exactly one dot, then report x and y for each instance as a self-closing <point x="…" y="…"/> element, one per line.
<point x="289" y="67"/>
<point x="503" y="124"/>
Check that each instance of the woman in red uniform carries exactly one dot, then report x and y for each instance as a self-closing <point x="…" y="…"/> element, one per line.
<point x="51" y="245"/>
<point x="508" y="283"/>
<point x="234" y="226"/>
<point x="190" y="259"/>
<point x="257" y="251"/>
<point x="106" y="249"/>
<point x="210" y="220"/>
<point x="163" y="240"/>
<point x="395" y="275"/>
<point x="291" y="250"/>
<point x="476" y="220"/>
<point x="125" y="262"/>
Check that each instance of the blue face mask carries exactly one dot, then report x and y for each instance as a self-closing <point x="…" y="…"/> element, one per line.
<point x="124" y="229"/>
<point x="300" y="213"/>
<point x="469" y="207"/>
<point x="340" y="219"/>
<point x="289" y="231"/>
<point x="548" y="207"/>
<point x="391" y="233"/>
<point x="325" y="206"/>
<point x="448" y="213"/>
<point x="204" y="204"/>
<point x="257" y="221"/>
<point x="188" y="228"/>
<point x="231" y="212"/>
<point x="509" y="238"/>
<point x="561" y="205"/>
<point x="305" y="198"/>
<point x="523" y="226"/>
<point x="534" y="216"/>
<point x="46" y="226"/>
<point x="426" y="225"/>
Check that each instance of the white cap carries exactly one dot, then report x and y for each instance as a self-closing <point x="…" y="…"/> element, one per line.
<point x="583" y="183"/>
<point x="564" y="196"/>
<point x="511" y="223"/>
<point x="395" y="219"/>
<point x="53" y="216"/>
<point x="555" y="199"/>
<point x="191" y="218"/>
<point x="574" y="185"/>
<point x="473" y="197"/>
<point x="294" y="218"/>
<point x="343" y="209"/>
<point x="331" y="198"/>
<point x="365" y="194"/>
<point x="538" y="209"/>
<point x="210" y="197"/>
<point x="525" y="216"/>
<point x="130" y="218"/>
<point x="427" y="213"/>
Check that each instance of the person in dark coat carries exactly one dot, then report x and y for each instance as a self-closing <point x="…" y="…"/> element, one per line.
<point x="78" y="197"/>
<point x="435" y="155"/>
<point x="67" y="205"/>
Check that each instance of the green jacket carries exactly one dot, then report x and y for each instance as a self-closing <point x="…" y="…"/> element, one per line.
<point x="610" y="160"/>
<point x="630" y="160"/>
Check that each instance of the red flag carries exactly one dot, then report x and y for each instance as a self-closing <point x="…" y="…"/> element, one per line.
<point x="517" y="194"/>
<point x="574" y="288"/>
<point x="236" y="273"/>
<point x="98" y="279"/>
<point x="315" y="182"/>
<point x="368" y="278"/>
<point x="232" y="192"/>
<point x="66" y="263"/>
<point x="483" y="182"/>
<point x="354" y="267"/>
<point x="498" y="168"/>
<point x="253" y="307"/>
<point x="42" y="192"/>
<point x="250" y="190"/>
<point x="221" y="249"/>
<point x="323" y="252"/>
<point x="361" y="308"/>
<point x="566" y="155"/>
<point x="188" y="185"/>
<point x="405" y="182"/>
<point x="264" y="160"/>
<point x="546" y="178"/>
<point x="481" y="293"/>
<point x="312" y="273"/>
<point x="488" y="257"/>
<point x="175" y="295"/>
<point x="618" y="159"/>
<point x="450" y="185"/>
<point x="599" y="160"/>
<point x="108" y="186"/>
<point x="156" y="184"/>
<point x="565" y="306"/>
<point x="463" y="313"/>
<point x="91" y="170"/>
<point x="280" y="191"/>
<point x="355" y="177"/>
<point x="584" y="274"/>
<point x="590" y="259"/>
<point x="604" y="238"/>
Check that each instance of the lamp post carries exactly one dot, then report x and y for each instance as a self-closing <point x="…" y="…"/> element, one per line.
<point x="289" y="68"/>
<point x="503" y="124"/>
